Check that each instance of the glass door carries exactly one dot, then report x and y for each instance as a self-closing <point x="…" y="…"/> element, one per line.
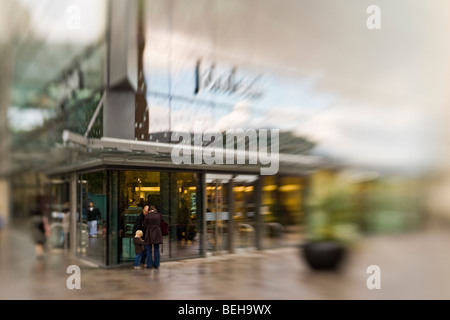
<point x="176" y="195"/>
<point x="92" y="236"/>
<point x="82" y="227"/>
<point x="244" y="211"/>
<point x="217" y="213"/>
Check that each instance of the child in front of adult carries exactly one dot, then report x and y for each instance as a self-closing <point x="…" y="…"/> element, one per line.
<point x="139" y="248"/>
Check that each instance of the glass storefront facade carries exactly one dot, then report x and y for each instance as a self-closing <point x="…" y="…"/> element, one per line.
<point x="120" y="196"/>
<point x="209" y="213"/>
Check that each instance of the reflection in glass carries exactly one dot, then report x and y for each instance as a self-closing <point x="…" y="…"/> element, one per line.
<point x="175" y="195"/>
<point x="244" y="212"/>
<point x="217" y="215"/>
<point x="92" y="189"/>
<point x="282" y="209"/>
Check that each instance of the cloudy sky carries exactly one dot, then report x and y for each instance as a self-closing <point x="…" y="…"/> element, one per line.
<point x="374" y="98"/>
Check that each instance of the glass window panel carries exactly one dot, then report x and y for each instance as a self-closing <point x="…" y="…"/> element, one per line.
<point x="186" y="215"/>
<point x="92" y="224"/>
<point x="59" y="212"/>
<point x="176" y="197"/>
<point x="283" y="210"/>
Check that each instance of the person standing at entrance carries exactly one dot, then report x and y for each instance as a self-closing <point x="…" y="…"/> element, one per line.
<point x="40" y="231"/>
<point x="153" y="237"/>
<point x="93" y="215"/>
<point x="138" y="225"/>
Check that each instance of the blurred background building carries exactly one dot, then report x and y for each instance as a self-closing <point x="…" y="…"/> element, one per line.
<point x="92" y="91"/>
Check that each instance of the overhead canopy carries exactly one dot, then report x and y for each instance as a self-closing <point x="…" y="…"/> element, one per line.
<point x="112" y="151"/>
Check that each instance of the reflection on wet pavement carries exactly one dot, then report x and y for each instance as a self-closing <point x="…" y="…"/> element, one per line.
<point x="413" y="266"/>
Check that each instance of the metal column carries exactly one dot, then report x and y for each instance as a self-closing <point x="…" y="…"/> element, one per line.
<point x="73" y="214"/>
<point x="231" y="231"/>
<point x="204" y="205"/>
<point x="258" y="217"/>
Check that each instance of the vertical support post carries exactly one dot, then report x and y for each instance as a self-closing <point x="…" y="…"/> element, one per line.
<point x="141" y="131"/>
<point x="216" y="224"/>
<point x="73" y="214"/>
<point x="119" y="107"/>
<point x="204" y="205"/>
<point x="6" y="71"/>
<point x="258" y="215"/>
<point x="231" y="232"/>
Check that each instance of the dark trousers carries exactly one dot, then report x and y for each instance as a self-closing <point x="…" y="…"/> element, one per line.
<point x="138" y="258"/>
<point x="152" y="262"/>
<point x="143" y="256"/>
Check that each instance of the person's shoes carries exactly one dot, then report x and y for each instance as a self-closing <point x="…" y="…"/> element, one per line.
<point x="149" y="267"/>
<point x="136" y="267"/>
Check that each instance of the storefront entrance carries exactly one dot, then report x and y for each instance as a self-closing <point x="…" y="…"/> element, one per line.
<point x="230" y="212"/>
<point x="208" y="213"/>
<point x="119" y="196"/>
<point x="176" y="197"/>
<point x="217" y="213"/>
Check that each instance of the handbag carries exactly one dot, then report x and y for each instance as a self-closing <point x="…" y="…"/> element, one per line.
<point x="164" y="226"/>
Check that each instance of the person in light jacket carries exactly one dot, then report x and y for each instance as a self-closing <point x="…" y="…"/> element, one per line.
<point x="153" y="237"/>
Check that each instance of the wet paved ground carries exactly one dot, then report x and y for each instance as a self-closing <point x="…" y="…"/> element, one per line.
<point x="413" y="266"/>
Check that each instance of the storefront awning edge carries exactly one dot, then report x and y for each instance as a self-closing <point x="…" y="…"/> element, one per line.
<point x="113" y="151"/>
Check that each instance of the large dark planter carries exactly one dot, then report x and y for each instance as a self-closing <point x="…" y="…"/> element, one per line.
<point x="323" y="255"/>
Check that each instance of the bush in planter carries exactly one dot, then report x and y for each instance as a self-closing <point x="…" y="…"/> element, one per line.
<point x="331" y="229"/>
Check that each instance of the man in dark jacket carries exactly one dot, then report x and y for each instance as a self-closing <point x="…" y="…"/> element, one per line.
<point x="138" y="225"/>
<point x="93" y="215"/>
<point x="140" y="220"/>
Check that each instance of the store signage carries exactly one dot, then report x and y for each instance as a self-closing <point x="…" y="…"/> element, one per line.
<point x="208" y="77"/>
